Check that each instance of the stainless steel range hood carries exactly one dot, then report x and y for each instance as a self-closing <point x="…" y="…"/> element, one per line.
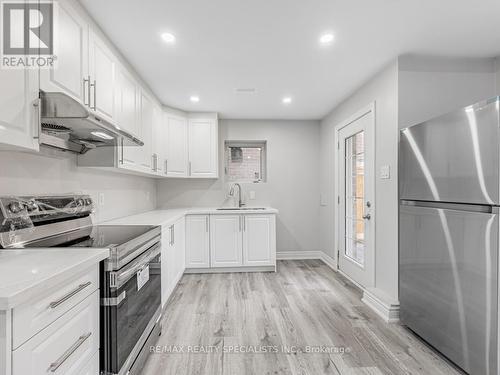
<point x="68" y="125"/>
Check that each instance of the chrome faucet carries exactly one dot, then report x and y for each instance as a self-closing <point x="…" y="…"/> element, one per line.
<point x="231" y="193"/>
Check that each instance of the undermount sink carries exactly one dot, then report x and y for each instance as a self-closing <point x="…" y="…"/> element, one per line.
<point x="240" y="208"/>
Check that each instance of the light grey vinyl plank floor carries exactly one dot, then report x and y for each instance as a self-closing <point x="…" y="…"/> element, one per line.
<point x="303" y="319"/>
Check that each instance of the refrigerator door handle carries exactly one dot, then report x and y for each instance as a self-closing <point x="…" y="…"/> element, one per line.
<point x="482" y="208"/>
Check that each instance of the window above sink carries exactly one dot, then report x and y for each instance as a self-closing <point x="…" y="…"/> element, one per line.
<point x="245" y="161"/>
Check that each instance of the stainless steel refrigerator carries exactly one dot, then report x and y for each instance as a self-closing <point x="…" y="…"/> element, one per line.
<point x="449" y="228"/>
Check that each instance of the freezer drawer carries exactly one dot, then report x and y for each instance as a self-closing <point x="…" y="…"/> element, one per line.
<point x="448" y="282"/>
<point x="453" y="158"/>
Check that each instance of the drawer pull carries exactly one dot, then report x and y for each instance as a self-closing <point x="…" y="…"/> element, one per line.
<point x="54" y="304"/>
<point x="54" y="366"/>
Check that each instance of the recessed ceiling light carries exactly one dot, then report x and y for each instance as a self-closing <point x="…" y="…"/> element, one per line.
<point x="194" y="99"/>
<point x="326" y="39"/>
<point x="168" y="38"/>
<point x="287" y="100"/>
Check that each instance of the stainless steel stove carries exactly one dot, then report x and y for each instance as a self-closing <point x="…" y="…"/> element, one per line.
<point x="130" y="279"/>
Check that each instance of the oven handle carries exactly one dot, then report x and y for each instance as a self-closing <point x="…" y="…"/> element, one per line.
<point x="118" y="278"/>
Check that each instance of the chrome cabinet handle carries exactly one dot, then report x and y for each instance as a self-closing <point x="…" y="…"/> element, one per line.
<point x="38" y="105"/>
<point x="189" y="173"/>
<point x="55" y="365"/>
<point x="94" y="85"/>
<point x="54" y="304"/>
<point x="367" y="217"/>
<point x="153" y="162"/>
<point x="166" y="165"/>
<point x="86" y="82"/>
<point x="244" y="223"/>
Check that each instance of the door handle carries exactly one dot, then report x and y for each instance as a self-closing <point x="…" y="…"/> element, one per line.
<point x="166" y="166"/>
<point x="367" y="217"/>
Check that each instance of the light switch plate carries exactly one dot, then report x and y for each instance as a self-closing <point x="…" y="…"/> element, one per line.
<point x="385" y="172"/>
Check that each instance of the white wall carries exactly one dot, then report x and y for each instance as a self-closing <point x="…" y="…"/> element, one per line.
<point x="432" y="86"/>
<point x="53" y="172"/>
<point x="292" y="179"/>
<point x="383" y="90"/>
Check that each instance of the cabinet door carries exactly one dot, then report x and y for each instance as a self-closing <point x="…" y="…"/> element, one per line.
<point x="147" y="132"/>
<point x="177" y="158"/>
<point x="159" y="140"/>
<point x="102" y="64"/>
<point x="259" y="240"/>
<point x="71" y="34"/>
<point x="197" y="241"/>
<point x="180" y="248"/>
<point x="203" y="160"/>
<point x="19" y="122"/>
<point x="226" y="240"/>
<point x="126" y="95"/>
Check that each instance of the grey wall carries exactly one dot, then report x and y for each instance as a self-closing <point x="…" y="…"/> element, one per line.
<point x="383" y="90"/>
<point x="53" y="172"/>
<point x="292" y="179"/>
<point x="432" y="86"/>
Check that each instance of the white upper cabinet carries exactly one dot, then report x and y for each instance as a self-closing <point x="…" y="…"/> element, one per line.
<point x="70" y="71"/>
<point x="226" y="241"/>
<point x="159" y="140"/>
<point x="102" y="64"/>
<point x="19" y="122"/>
<point x="203" y="148"/>
<point x="259" y="240"/>
<point x="126" y="95"/>
<point x="177" y="146"/>
<point x="146" y="114"/>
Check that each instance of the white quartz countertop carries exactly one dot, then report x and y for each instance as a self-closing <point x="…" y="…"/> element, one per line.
<point x="26" y="272"/>
<point x="168" y="216"/>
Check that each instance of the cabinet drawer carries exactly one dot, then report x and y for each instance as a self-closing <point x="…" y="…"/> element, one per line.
<point x="91" y="368"/>
<point x="33" y="316"/>
<point x="65" y="346"/>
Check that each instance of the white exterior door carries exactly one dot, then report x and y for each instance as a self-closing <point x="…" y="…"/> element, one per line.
<point x="177" y="152"/>
<point x="70" y="72"/>
<point x="197" y="241"/>
<point x="355" y="187"/>
<point x="203" y="148"/>
<point x="259" y="241"/>
<point x="226" y="240"/>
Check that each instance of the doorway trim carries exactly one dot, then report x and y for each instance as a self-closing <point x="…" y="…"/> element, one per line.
<point x="337" y="215"/>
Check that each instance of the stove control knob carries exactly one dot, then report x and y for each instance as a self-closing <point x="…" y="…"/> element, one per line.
<point x="80" y="202"/>
<point x="88" y="201"/>
<point x="16" y="207"/>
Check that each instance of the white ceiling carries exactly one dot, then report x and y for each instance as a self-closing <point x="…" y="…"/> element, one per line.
<point x="272" y="46"/>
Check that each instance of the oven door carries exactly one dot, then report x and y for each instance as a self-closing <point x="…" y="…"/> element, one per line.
<point x="130" y="308"/>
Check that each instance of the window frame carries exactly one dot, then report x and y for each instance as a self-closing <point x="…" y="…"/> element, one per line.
<point x="228" y="144"/>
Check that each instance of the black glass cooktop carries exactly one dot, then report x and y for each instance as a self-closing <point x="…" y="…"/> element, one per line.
<point x="97" y="236"/>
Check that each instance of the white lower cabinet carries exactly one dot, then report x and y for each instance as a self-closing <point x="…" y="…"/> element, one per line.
<point x="259" y="240"/>
<point x="232" y="241"/>
<point x="197" y="241"/>
<point x="66" y="346"/>
<point x="226" y="240"/>
<point x="172" y="257"/>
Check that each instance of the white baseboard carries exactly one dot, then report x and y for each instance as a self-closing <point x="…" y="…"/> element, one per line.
<point x="387" y="310"/>
<point x="297" y="255"/>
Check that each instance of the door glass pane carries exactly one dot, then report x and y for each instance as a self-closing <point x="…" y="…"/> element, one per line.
<point x="355" y="197"/>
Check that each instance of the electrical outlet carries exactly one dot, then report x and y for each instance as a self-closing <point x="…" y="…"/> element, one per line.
<point x="100" y="199"/>
<point x="251" y="195"/>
